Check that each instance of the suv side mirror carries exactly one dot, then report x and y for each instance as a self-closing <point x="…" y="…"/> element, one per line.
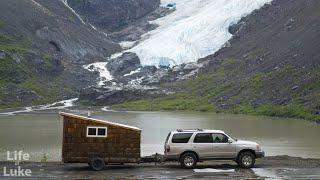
<point x="230" y="140"/>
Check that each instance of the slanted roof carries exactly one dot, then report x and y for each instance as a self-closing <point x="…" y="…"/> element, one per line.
<point x="100" y="121"/>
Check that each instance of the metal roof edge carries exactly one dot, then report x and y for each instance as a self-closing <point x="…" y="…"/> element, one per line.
<point x="98" y="120"/>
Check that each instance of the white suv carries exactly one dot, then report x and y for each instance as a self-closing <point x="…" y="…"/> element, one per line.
<point x="191" y="146"/>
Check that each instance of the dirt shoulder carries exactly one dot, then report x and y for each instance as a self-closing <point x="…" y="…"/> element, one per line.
<point x="270" y="167"/>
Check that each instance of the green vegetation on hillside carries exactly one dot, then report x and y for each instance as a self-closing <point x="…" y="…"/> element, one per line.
<point x="21" y="73"/>
<point x="228" y="88"/>
<point x="14" y="45"/>
<point x="180" y="102"/>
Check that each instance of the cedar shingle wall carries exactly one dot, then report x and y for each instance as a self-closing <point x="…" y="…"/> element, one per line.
<point x="120" y="145"/>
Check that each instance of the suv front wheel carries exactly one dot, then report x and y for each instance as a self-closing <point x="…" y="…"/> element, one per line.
<point x="188" y="160"/>
<point x="246" y="160"/>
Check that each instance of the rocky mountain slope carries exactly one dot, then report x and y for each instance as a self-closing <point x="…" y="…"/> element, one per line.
<point x="44" y="44"/>
<point x="169" y="52"/>
<point x="112" y="15"/>
<point x="271" y="66"/>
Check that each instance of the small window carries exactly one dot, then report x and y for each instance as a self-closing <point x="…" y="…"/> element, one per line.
<point x="181" y="137"/>
<point x="96" y="131"/>
<point x="92" y="131"/>
<point x="219" y="138"/>
<point x="101" y="131"/>
<point x="203" y="138"/>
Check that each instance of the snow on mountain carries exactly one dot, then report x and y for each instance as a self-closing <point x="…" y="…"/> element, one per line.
<point x="65" y="2"/>
<point x="196" y="29"/>
<point x="57" y="105"/>
<point x="100" y="67"/>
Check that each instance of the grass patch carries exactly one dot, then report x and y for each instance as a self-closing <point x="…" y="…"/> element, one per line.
<point x="291" y="111"/>
<point x="13" y="44"/>
<point x="50" y="93"/>
<point x="178" y="102"/>
<point x="1" y="24"/>
<point x="10" y="72"/>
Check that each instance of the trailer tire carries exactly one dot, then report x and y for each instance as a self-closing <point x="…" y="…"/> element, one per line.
<point x="97" y="164"/>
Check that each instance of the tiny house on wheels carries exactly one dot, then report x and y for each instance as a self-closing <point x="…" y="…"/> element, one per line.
<point x="98" y="142"/>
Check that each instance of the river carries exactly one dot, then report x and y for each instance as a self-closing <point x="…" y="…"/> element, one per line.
<point x="40" y="133"/>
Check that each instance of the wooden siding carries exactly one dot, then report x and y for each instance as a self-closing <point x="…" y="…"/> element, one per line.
<point x="120" y="146"/>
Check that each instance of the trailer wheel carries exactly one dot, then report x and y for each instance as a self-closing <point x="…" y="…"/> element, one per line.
<point x="97" y="164"/>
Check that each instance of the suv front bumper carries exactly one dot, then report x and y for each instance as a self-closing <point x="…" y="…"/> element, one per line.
<point x="260" y="154"/>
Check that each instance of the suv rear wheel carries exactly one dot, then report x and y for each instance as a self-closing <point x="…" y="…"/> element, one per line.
<point x="246" y="160"/>
<point x="188" y="160"/>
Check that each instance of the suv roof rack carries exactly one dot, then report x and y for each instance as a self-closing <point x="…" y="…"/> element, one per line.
<point x="186" y="130"/>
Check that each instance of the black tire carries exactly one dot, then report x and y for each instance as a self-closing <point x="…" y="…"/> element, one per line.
<point x="97" y="164"/>
<point x="188" y="160"/>
<point x="246" y="159"/>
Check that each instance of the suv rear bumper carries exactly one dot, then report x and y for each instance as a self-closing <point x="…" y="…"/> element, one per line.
<point x="260" y="154"/>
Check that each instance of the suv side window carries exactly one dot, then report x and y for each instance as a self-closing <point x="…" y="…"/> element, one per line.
<point x="203" y="138"/>
<point x="181" y="137"/>
<point x="219" y="138"/>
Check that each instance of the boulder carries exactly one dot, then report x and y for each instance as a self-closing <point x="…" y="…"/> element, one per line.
<point x="14" y="93"/>
<point x="235" y="28"/>
<point x="294" y="87"/>
<point x="191" y="66"/>
<point x="3" y="54"/>
<point x="124" y="64"/>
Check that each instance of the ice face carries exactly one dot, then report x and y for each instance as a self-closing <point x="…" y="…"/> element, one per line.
<point x="196" y="29"/>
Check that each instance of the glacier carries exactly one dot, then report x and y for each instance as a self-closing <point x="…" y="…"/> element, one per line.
<point x="197" y="28"/>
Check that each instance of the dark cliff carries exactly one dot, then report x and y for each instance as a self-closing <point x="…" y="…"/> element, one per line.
<point x="113" y="14"/>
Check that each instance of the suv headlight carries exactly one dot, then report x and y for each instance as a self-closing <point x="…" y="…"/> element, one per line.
<point x="258" y="147"/>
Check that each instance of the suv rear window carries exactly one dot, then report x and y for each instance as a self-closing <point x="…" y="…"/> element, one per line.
<point x="181" y="137"/>
<point x="168" y="137"/>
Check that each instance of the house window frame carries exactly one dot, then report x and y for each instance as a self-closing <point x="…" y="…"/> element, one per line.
<point x="97" y="127"/>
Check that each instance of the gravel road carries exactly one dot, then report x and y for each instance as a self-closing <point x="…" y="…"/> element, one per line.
<point x="276" y="167"/>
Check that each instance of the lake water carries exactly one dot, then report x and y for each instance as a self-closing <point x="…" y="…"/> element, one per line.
<point x="40" y="133"/>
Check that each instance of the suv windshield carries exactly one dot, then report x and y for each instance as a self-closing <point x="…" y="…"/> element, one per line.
<point x="181" y="137"/>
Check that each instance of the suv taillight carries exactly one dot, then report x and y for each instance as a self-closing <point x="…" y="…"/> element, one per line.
<point x="167" y="148"/>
